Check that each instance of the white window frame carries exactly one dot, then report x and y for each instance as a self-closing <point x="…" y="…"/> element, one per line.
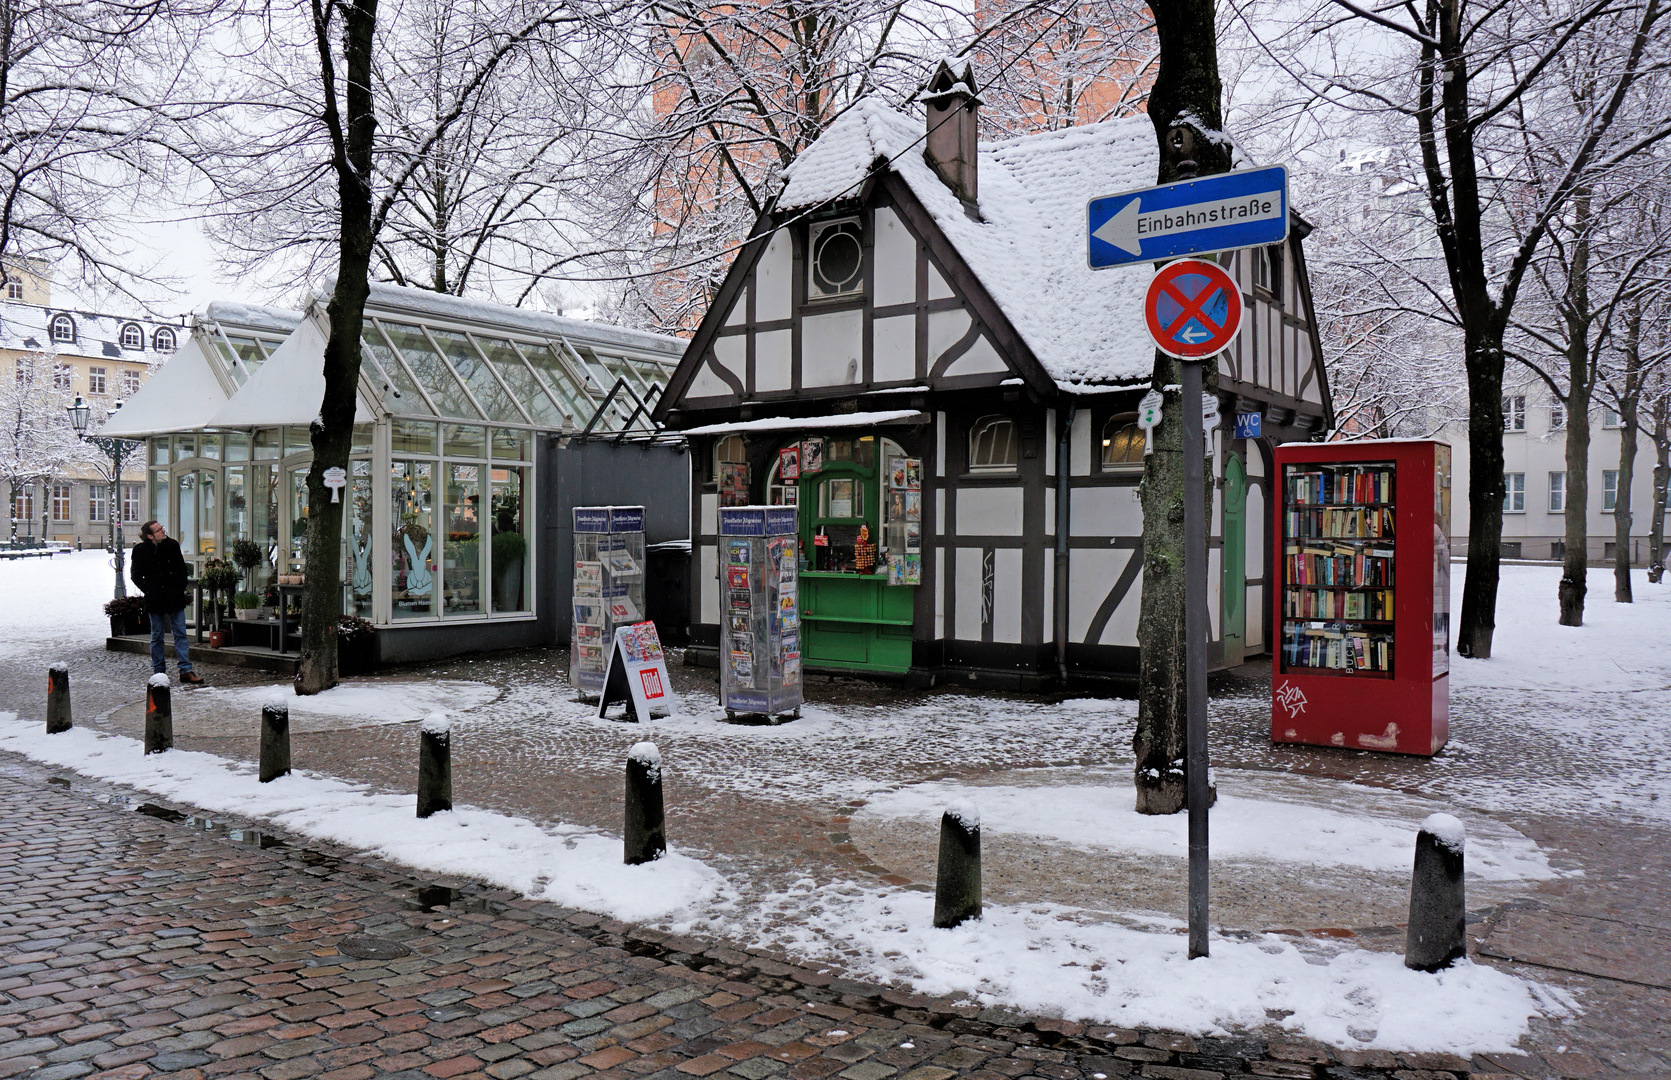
<point x="1609" y="490"/>
<point x="61" y="328"/>
<point x="1514" y="493"/>
<point x="131" y="382"/>
<point x="1558" y="492"/>
<point x="133" y="503"/>
<point x="1514" y="412"/>
<point x="1558" y="416"/>
<point x="98" y="502"/>
<point x="162" y="334"/>
<point x="63" y="377"/>
<point x="97" y="380"/>
<point x="985" y="424"/>
<point x="61" y="497"/>
<point x="1610" y="418"/>
<point x="132" y="336"/>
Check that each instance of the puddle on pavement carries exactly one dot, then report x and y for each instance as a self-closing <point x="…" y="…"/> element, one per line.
<point x="436" y="897"/>
<point x="253" y="837"/>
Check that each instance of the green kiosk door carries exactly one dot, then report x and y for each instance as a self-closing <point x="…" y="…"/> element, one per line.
<point x="854" y="513"/>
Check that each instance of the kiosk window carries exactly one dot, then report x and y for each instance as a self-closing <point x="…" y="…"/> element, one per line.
<point x="1122" y="442"/>
<point x="992" y="444"/>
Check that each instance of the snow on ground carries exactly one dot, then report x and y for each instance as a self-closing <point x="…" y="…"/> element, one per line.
<point x="1314" y="827"/>
<point x="381" y="701"/>
<point x="568" y="865"/>
<point x="1043" y="958"/>
<point x="1620" y="647"/>
<point x="60" y="601"/>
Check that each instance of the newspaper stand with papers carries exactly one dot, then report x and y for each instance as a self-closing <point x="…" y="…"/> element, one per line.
<point x="760" y="625"/>
<point x="608" y="587"/>
<point x="637" y="674"/>
<point x="1362" y="608"/>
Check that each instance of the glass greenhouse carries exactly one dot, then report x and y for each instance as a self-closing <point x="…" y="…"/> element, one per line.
<point x="461" y="402"/>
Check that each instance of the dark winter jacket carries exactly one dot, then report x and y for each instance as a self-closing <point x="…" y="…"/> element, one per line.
<point x="160" y="572"/>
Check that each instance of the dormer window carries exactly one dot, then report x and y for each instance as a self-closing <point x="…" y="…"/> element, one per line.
<point x="62" y="328"/>
<point x="133" y="337"/>
<point x="163" y="339"/>
<point x="835" y="259"/>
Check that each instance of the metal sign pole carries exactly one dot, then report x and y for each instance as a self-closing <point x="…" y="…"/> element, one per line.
<point x="1195" y="655"/>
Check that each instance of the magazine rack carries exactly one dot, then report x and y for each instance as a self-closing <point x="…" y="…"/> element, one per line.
<point x="760" y="626"/>
<point x="608" y="587"/>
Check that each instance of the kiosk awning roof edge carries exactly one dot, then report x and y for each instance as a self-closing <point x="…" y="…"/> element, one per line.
<point x="892" y="417"/>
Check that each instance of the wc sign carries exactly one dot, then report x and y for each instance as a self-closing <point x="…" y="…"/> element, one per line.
<point x="1249" y="425"/>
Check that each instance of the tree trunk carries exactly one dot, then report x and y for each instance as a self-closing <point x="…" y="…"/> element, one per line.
<point x="1184" y="107"/>
<point x="333" y="430"/>
<point x="1662" y="475"/>
<point x="1629" y="405"/>
<point x="1478" y="619"/>
<point x="1575" y="561"/>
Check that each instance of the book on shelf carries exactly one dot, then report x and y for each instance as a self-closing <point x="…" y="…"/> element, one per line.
<point x="1342" y="485"/>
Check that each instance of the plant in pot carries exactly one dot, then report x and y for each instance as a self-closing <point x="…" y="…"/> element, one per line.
<point x="508" y="551"/>
<point x="248" y="555"/>
<point x="127" y="616"/>
<point x="247" y="605"/>
<point x="270" y="600"/>
<point x="218" y="580"/>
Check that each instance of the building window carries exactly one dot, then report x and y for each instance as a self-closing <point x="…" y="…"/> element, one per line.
<point x="95" y="380"/>
<point x="133" y="499"/>
<point x="1609" y="489"/>
<point x="98" y="502"/>
<point x="63" y="377"/>
<point x="1509" y="549"/>
<point x="992" y="445"/>
<point x="130" y="383"/>
<point x="62" y="328"/>
<point x="133" y="337"/>
<point x="60" y="502"/>
<point x="1514" y="493"/>
<point x="1610" y="417"/>
<point x="1267" y="271"/>
<point x="24" y="370"/>
<point x="162" y="339"/>
<point x="1122" y="442"/>
<point x="1557" y="492"/>
<point x="1557" y="416"/>
<point x="835" y="259"/>
<point x="1558" y="549"/>
<point x="1514" y="413"/>
<point x="23" y="504"/>
<point x="14" y="287"/>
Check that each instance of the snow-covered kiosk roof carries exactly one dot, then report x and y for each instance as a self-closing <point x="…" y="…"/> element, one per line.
<point x="226" y="344"/>
<point x="1027" y="243"/>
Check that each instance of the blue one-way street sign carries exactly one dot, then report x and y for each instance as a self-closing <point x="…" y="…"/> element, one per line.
<point x="1191" y="217"/>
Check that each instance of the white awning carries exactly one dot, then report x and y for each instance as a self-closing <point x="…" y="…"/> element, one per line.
<point x="182" y="396"/>
<point x="288" y="388"/>
<point x="890" y="418"/>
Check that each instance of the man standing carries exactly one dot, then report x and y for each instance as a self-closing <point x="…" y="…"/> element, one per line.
<point x="159" y="569"/>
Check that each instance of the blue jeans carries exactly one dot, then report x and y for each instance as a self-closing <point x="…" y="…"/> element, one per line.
<point x="160" y="624"/>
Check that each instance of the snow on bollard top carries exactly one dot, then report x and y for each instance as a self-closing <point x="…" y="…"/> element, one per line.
<point x="277" y="700"/>
<point x="436" y="723"/>
<point x="59" y="668"/>
<point x="646" y="754"/>
<point x="1447" y="830"/>
<point x="966" y="813"/>
<point x="159" y="679"/>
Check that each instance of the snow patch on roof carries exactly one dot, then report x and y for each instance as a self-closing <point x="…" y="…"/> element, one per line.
<point x="392" y="301"/>
<point x="1029" y="248"/>
<point x="230" y="313"/>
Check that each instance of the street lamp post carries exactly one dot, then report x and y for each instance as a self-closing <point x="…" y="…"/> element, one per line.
<point x="118" y="450"/>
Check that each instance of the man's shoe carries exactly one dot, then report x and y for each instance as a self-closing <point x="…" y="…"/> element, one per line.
<point x="192" y="678"/>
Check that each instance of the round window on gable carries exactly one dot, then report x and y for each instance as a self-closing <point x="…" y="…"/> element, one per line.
<point x="62" y="328"/>
<point x="163" y="339"/>
<point x="1122" y="442"/>
<point x="133" y="337"/>
<point x="992" y="445"/>
<point x="835" y="259"/>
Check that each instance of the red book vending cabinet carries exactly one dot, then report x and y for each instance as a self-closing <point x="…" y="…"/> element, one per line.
<point x="1363" y="597"/>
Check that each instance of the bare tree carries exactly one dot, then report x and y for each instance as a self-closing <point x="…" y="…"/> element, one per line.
<point x="36" y="440"/>
<point x="1059" y="64"/>
<point x="1659" y="412"/>
<point x="1471" y="85"/>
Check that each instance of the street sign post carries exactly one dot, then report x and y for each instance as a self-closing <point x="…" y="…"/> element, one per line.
<point x="1191" y="217"/>
<point x="1193" y="309"/>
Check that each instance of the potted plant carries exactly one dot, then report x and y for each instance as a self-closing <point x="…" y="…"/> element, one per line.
<point x="247" y="605"/>
<point x="508" y="551"/>
<point x="248" y="555"/>
<point x="127" y="616"/>
<point x="270" y="601"/>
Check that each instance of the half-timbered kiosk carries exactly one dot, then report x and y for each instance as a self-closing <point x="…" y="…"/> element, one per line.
<point x="913" y="350"/>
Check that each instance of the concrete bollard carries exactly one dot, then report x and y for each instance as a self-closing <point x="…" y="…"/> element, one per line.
<point x="159" y="716"/>
<point x="275" y="740"/>
<point x="435" y="765"/>
<point x="646" y="831"/>
<point x="957" y="885"/>
<point x="1438" y="915"/>
<point x="57" y="698"/>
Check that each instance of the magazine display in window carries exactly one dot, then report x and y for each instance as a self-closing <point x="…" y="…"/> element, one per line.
<point x="812" y="456"/>
<point x="902" y="515"/>
<point x="760" y="667"/>
<point x="608" y="587"/>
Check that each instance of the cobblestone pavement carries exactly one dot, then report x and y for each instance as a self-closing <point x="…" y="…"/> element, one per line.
<point x="131" y="945"/>
<point x="763" y="815"/>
